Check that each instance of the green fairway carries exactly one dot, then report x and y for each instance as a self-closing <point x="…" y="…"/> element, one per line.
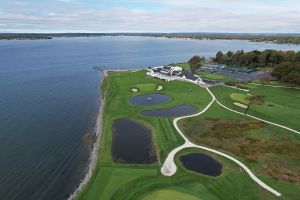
<point x="239" y="97"/>
<point x="109" y="179"/>
<point x="169" y="195"/>
<point x="146" y="87"/>
<point x="114" y="181"/>
<point x="217" y="77"/>
<point x="281" y="104"/>
<point x="274" y="83"/>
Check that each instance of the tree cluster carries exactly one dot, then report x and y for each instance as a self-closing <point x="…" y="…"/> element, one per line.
<point x="285" y="64"/>
<point x="256" y="59"/>
<point x="288" y="73"/>
<point x="23" y="36"/>
<point x="196" y="62"/>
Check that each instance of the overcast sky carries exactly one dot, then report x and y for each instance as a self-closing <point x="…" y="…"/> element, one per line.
<point x="279" y="16"/>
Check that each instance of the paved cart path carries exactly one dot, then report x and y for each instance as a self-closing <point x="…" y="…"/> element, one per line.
<point x="169" y="167"/>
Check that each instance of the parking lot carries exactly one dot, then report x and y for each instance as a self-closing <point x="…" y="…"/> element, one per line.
<point x="242" y="76"/>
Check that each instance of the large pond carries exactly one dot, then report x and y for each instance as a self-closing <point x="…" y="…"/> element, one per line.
<point x="175" y="111"/>
<point x="201" y="163"/>
<point x="149" y="99"/>
<point x="132" y="143"/>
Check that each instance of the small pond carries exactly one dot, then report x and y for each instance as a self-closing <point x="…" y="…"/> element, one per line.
<point x="175" y="111"/>
<point x="202" y="164"/>
<point x="132" y="143"/>
<point x="149" y="99"/>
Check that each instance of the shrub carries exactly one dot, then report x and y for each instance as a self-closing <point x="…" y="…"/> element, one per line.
<point x="242" y="86"/>
<point x="229" y="83"/>
<point x="251" y="158"/>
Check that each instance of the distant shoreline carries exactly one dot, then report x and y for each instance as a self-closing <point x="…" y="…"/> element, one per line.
<point x="293" y="39"/>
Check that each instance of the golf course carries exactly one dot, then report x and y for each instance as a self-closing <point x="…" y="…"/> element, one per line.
<point x="271" y="152"/>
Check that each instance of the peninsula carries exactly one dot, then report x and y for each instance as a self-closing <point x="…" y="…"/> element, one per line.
<point x="191" y="138"/>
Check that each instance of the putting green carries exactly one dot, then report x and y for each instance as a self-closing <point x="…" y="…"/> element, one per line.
<point x="169" y="195"/>
<point x="239" y="97"/>
<point x="146" y="87"/>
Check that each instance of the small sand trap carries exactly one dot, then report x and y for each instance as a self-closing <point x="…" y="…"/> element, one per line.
<point x="159" y="88"/>
<point x="134" y="89"/>
<point x="240" y="105"/>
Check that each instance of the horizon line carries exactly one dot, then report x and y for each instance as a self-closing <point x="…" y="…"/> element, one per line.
<point x="150" y="32"/>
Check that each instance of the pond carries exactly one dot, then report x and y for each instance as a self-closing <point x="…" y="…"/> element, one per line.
<point x="149" y="99"/>
<point x="201" y="163"/>
<point x="175" y="111"/>
<point x="132" y="143"/>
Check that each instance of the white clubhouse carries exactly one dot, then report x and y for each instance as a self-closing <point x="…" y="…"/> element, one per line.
<point x="172" y="73"/>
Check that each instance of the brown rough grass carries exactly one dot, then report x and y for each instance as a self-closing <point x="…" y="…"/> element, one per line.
<point x="282" y="172"/>
<point x="232" y="136"/>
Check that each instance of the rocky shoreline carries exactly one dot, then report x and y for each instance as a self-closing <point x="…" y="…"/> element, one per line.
<point x="95" y="150"/>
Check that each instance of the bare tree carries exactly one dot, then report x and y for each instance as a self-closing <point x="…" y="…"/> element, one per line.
<point x="254" y="99"/>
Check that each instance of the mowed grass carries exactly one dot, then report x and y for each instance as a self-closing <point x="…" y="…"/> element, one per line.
<point x="169" y="195"/>
<point x="281" y="104"/>
<point x="271" y="153"/>
<point x="146" y="87"/>
<point x="239" y="97"/>
<point x="109" y="179"/>
<point x="112" y="181"/>
<point x="218" y="77"/>
<point x="274" y="83"/>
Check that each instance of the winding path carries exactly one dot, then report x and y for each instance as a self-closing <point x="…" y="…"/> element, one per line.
<point x="169" y="167"/>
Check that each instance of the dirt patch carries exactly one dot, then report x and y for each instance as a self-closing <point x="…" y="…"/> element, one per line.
<point x="240" y="105"/>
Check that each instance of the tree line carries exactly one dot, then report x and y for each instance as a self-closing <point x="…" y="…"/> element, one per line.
<point x="288" y="73"/>
<point x="274" y="38"/>
<point x="24" y="36"/>
<point x="256" y="59"/>
<point x="285" y="64"/>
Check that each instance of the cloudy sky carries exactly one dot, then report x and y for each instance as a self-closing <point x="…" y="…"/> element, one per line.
<point x="150" y="16"/>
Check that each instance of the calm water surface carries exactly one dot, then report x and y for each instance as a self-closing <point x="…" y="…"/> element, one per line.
<point x="201" y="163"/>
<point x="175" y="111"/>
<point x="49" y="100"/>
<point x="149" y="99"/>
<point x="132" y="143"/>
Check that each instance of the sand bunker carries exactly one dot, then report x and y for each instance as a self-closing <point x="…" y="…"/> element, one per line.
<point x="159" y="88"/>
<point x="240" y="105"/>
<point x="134" y="89"/>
